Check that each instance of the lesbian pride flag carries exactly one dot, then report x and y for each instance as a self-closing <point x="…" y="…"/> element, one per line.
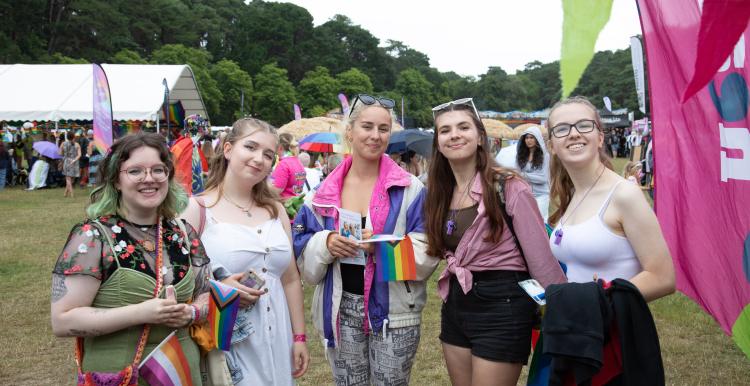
<point x="166" y="365"/>
<point x="394" y="260"/>
<point x="222" y="313"/>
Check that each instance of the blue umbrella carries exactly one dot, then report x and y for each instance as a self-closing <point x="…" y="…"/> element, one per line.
<point x="327" y="138"/>
<point x="47" y="149"/>
<point x="417" y="141"/>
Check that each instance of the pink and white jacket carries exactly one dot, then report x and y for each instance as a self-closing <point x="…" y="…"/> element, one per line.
<point x="396" y="207"/>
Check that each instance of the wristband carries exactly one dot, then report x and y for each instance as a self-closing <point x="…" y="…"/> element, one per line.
<point x="300" y="338"/>
<point x="194" y="312"/>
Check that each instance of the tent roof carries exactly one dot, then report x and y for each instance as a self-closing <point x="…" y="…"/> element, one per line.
<point x="51" y="92"/>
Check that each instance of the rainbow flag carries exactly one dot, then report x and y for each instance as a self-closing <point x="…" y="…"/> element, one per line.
<point x="176" y="113"/>
<point x="395" y="260"/>
<point x="166" y="365"/>
<point x="102" y="111"/>
<point x="222" y="313"/>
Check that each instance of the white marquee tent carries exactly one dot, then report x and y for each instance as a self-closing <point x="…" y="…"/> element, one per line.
<point x="51" y="92"/>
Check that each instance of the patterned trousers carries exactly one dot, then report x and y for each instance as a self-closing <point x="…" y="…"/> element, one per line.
<point x="377" y="358"/>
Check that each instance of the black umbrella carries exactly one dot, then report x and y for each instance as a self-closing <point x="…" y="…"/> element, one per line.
<point x="417" y="141"/>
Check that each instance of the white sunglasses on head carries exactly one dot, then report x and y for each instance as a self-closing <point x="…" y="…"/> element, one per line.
<point x="457" y="102"/>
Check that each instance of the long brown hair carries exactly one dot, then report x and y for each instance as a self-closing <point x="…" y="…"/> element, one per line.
<point x="263" y="196"/>
<point x="561" y="186"/>
<point x="441" y="182"/>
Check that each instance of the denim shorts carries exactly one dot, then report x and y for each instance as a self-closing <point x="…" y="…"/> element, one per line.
<point x="494" y="319"/>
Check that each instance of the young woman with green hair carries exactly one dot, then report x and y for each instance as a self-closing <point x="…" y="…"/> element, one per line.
<point x="105" y="285"/>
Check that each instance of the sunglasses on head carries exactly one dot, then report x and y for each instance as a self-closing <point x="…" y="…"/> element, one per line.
<point x="458" y="102"/>
<point x="371" y="100"/>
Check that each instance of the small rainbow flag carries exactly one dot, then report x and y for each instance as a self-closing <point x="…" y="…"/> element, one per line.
<point x="395" y="260"/>
<point x="222" y="313"/>
<point x="166" y="365"/>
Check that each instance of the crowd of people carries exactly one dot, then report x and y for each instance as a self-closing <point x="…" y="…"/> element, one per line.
<point x="75" y="161"/>
<point x="144" y="235"/>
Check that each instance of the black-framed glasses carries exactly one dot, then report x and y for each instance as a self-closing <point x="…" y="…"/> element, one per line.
<point x="583" y="126"/>
<point x="137" y="174"/>
<point x="371" y="100"/>
<point x="458" y="102"/>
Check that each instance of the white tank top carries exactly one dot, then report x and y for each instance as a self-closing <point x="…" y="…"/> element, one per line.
<point x="592" y="248"/>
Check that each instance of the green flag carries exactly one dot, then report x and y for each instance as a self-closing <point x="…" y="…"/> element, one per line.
<point x="582" y="22"/>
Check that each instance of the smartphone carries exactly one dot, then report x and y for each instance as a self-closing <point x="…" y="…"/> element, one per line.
<point x="251" y="280"/>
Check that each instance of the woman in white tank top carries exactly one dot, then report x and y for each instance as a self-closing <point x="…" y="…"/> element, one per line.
<point x="603" y="228"/>
<point x="247" y="228"/>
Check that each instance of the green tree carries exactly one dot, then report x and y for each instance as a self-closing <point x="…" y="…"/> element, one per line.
<point x="58" y="58"/>
<point x="272" y="32"/>
<point x="418" y="95"/>
<point x="126" y="56"/>
<point x="24" y="31"/>
<point x="318" y="90"/>
<point x="353" y="82"/>
<point x="199" y="60"/>
<point x="546" y="78"/>
<point x="233" y="81"/>
<point x="274" y="95"/>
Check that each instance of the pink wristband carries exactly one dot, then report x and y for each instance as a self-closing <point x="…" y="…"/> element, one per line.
<point x="196" y="313"/>
<point x="300" y="338"/>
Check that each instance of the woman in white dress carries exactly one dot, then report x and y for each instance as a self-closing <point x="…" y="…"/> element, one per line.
<point x="244" y="227"/>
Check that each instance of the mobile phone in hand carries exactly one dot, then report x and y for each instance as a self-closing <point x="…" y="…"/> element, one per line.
<point x="251" y="280"/>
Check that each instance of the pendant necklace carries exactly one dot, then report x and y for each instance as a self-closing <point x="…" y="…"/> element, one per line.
<point x="559" y="231"/>
<point x="148" y="245"/>
<point x="242" y="208"/>
<point x="450" y="225"/>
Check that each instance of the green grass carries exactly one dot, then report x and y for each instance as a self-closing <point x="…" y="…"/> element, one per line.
<point x="34" y="226"/>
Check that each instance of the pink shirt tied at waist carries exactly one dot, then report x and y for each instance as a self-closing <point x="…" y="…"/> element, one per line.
<point x="475" y="254"/>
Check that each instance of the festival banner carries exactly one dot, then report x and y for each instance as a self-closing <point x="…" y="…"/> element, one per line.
<point x="636" y="56"/>
<point x="702" y="159"/>
<point x="344" y="104"/>
<point x="582" y="22"/>
<point x="297" y="112"/>
<point x="102" y="110"/>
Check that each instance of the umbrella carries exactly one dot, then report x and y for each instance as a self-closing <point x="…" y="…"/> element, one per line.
<point x="47" y="149"/>
<point x="497" y="129"/>
<point x="320" y="142"/>
<point x="417" y="141"/>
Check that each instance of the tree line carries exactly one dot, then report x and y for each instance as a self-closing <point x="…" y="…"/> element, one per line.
<point x="274" y="55"/>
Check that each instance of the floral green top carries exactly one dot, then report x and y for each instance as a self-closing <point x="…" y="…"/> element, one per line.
<point x="87" y="251"/>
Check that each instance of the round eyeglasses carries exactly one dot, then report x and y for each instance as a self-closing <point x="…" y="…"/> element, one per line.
<point x="138" y="174"/>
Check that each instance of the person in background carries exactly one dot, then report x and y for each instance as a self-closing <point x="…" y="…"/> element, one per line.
<point x="71" y="152"/>
<point x="104" y="284"/>
<point x="632" y="172"/>
<point x="28" y="148"/>
<point x="5" y="165"/>
<point x="83" y="163"/>
<point x="244" y="227"/>
<point x="332" y="161"/>
<point x="313" y="175"/>
<point x="370" y="327"/>
<point x="288" y="178"/>
<point x="604" y="228"/>
<point x="486" y="317"/>
<point x="95" y="158"/>
<point x="532" y="162"/>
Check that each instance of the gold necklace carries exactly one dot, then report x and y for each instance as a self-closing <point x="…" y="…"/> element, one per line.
<point x="242" y="208"/>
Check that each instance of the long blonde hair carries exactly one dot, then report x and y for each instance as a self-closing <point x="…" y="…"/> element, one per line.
<point x="561" y="186"/>
<point x="263" y="196"/>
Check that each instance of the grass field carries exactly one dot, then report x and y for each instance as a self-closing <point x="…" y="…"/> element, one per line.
<point x="34" y="227"/>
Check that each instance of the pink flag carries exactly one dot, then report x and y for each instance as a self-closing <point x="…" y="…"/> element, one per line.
<point x="702" y="160"/>
<point x="297" y="112"/>
<point x="722" y="23"/>
<point x="102" y="111"/>
<point x="344" y="104"/>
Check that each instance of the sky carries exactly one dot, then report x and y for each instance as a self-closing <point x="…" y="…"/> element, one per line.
<point x="469" y="36"/>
